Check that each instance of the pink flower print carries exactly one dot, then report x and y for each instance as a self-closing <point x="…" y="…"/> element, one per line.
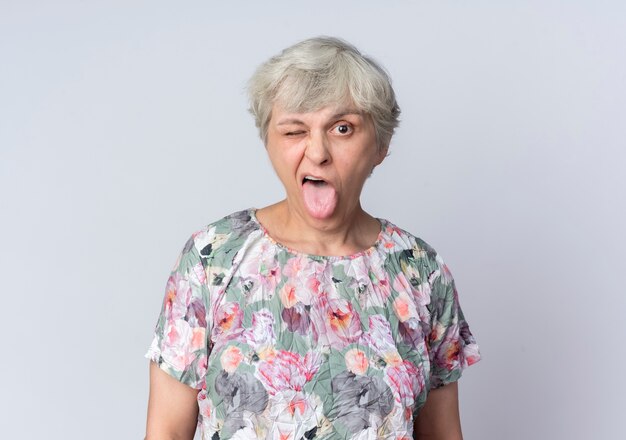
<point x="341" y="318"/>
<point x="228" y="318"/>
<point x="312" y="362"/>
<point x="296" y="405"/>
<point x="294" y="266"/>
<point x="313" y="285"/>
<point x="457" y="349"/>
<point x="210" y="423"/>
<point x="287" y="371"/>
<point x="420" y="292"/>
<point x="288" y="295"/>
<point x="380" y="281"/>
<point x="397" y="235"/>
<point x="203" y="364"/>
<point x="335" y="322"/>
<point x="406" y="382"/>
<point x="356" y="361"/>
<point x="204" y="403"/>
<point x="227" y="325"/>
<point x="309" y="275"/>
<point x="270" y="277"/>
<point x="298" y="291"/>
<point x="260" y="336"/>
<point x="449" y="354"/>
<point x="404" y="307"/>
<point x="411" y="305"/>
<point x="410" y="327"/>
<point x="231" y="358"/>
<point x="472" y="354"/>
<point x="292" y="414"/>
<point x="198" y="270"/>
<point x="389" y="244"/>
<point x="177" y="296"/>
<point x="180" y="342"/>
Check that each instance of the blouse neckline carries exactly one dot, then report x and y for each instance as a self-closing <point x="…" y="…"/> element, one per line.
<point x="365" y="252"/>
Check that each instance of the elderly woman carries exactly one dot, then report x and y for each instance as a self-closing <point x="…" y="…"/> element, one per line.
<point x="310" y="318"/>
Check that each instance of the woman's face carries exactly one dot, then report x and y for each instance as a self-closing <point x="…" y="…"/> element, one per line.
<point x="323" y="158"/>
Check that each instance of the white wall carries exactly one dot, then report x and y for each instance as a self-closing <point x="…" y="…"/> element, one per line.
<point x="123" y="128"/>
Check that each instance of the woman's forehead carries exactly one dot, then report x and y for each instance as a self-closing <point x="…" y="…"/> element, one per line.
<point x="281" y="115"/>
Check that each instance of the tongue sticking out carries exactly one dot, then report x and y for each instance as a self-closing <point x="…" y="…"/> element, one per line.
<point x="320" y="199"/>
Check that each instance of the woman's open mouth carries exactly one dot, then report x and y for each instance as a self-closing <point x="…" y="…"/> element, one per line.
<point x="314" y="181"/>
<point x="320" y="198"/>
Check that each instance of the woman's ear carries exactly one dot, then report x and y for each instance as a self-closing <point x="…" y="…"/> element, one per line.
<point x="382" y="154"/>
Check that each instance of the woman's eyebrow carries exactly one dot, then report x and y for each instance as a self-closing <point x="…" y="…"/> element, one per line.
<point x="341" y="113"/>
<point x="290" y="122"/>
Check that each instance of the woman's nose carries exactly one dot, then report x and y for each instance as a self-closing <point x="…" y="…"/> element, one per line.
<point x="317" y="149"/>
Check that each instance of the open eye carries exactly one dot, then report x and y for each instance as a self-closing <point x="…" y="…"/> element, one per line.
<point x="343" y="128"/>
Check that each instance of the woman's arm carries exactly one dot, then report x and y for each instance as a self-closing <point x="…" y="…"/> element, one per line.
<point x="439" y="417"/>
<point x="172" y="407"/>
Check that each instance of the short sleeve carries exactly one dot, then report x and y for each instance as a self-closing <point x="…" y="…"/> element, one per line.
<point x="452" y="347"/>
<point x="179" y="345"/>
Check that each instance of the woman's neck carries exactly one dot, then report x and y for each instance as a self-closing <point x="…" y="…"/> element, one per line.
<point x="353" y="232"/>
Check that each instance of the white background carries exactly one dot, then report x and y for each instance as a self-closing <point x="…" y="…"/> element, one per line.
<point x="123" y="128"/>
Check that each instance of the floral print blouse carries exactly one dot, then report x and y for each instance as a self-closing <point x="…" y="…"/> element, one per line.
<point x="285" y="345"/>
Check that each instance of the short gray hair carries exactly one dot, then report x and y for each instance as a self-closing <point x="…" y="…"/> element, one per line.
<point x="323" y="71"/>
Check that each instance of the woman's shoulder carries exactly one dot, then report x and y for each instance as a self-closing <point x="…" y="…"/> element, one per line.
<point x="400" y="239"/>
<point x="413" y="253"/>
<point x="224" y="235"/>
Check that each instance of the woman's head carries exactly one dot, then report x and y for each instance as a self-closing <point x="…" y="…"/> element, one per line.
<point x="319" y="72"/>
